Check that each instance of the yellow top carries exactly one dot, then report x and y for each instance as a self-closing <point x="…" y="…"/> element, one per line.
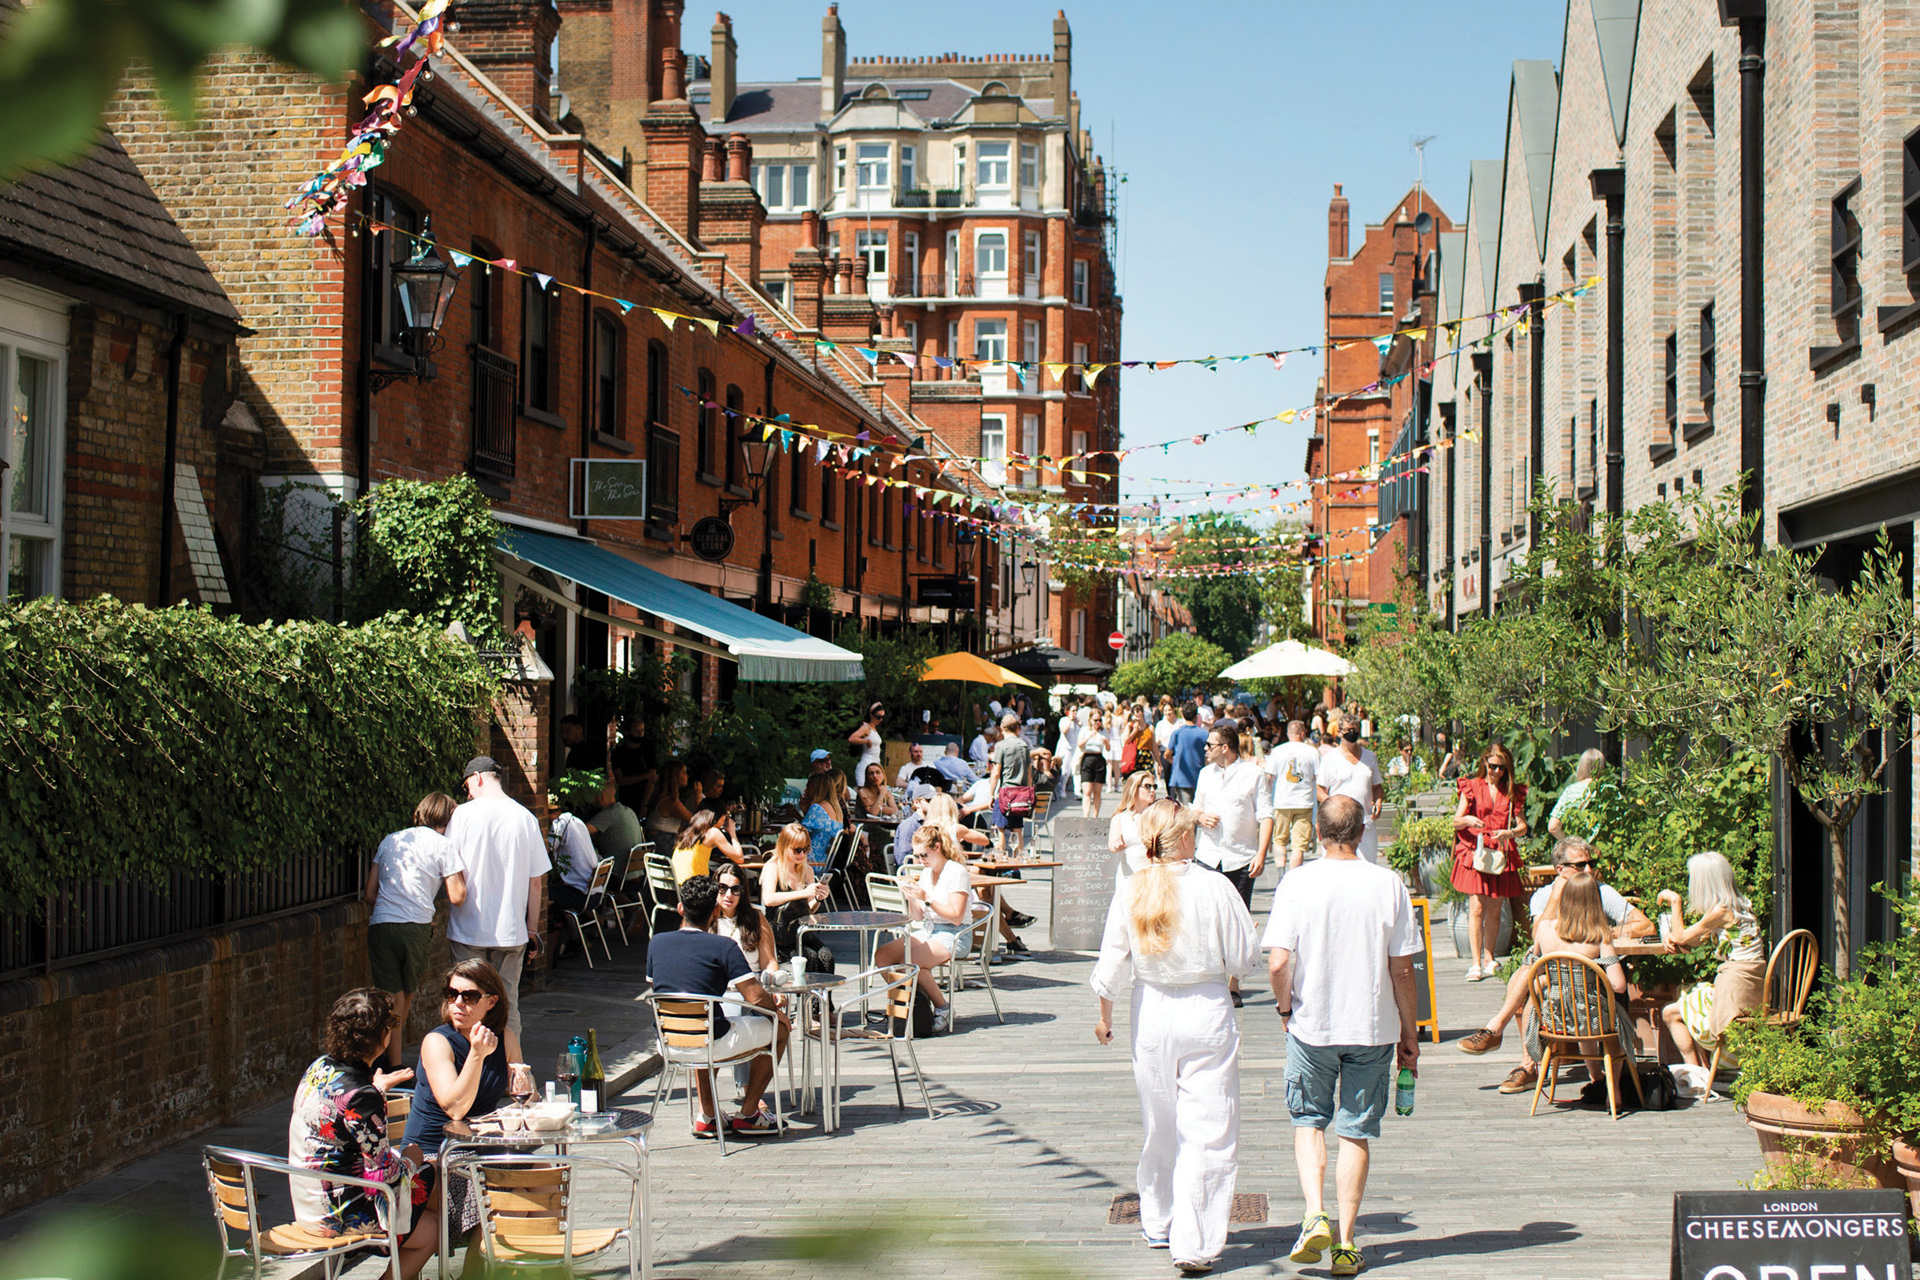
<point x="691" y="862"/>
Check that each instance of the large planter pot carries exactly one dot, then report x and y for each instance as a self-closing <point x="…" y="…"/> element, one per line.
<point x="1833" y="1136"/>
<point x="1501" y="943"/>
<point x="1436" y="865"/>
<point x="1906" y="1159"/>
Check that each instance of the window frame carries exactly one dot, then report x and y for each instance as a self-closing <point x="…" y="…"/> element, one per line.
<point x="705" y="422"/>
<point x="1707" y="363"/>
<point x="988" y="458"/>
<point x="1082" y="289"/>
<point x="987" y="322"/>
<point x="797" y="479"/>
<point x="539" y="380"/>
<point x="736" y="403"/>
<point x="45" y="530"/>
<point x="1029" y="166"/>
<point x="1844" y="240"/>
<point x="1386" y="293"/>
<point x="385" y="250"/>
<point x="1910" y="203"/>
<point x="908" y="166"/>
<point x="876" y="246"/>
<point x="1670" y="383"/>
<point x="608" y="387"/>
<point x="980" y="249"/>
<point x="1001" y="166"/>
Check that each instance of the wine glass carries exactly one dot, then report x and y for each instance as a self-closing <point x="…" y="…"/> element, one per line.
<point x="566" y="1071"/>
<point x="520" y="1082"/>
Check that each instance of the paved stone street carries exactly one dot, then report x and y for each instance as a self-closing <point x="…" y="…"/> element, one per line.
<point x="1038" y="1130"/>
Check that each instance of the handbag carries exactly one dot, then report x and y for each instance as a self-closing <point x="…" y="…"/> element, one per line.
<point x="1488" y="858"/>
<point x="1016" y="802"/>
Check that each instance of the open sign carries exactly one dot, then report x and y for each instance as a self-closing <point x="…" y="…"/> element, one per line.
<point x="1792" y="1235"/>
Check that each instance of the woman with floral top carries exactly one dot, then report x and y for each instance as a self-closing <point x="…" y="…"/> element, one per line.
<point x="339" y="1125"/>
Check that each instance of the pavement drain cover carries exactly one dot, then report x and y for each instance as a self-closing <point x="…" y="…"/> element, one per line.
<point x="1249" y="1209"/>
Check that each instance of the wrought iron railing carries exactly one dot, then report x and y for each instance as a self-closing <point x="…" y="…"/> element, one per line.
<point x="495" y="383"/>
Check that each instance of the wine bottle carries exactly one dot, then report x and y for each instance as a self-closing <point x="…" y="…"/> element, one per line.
<point x="593" y="1076"/>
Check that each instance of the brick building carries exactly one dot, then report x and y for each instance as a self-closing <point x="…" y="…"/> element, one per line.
<point x="965" y="217"/>
<point x="1384" y="284"/>
<point x="125" y="469"/>
<point x="618" y="186"/>
<point x="1625" y="162"/>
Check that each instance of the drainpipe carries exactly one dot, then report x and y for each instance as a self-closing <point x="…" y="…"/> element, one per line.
<point x="1751" y="15"/>
<point x="766" y="490"/>
<point x="1534" y="295"/>
<point x="588" y="383"/>
<point x="1483" y="369"/>
<point x="1447" y="411"/>
<point x="1610" y="185"/>
<point x="163" y="596"/>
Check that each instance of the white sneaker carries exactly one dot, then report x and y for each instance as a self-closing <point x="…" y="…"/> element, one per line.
<point x="1474" y="974"/>
<point x="942" y="1020"/>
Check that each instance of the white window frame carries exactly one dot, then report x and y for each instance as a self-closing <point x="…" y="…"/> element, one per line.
<point x="778" y="291"/>
<point x="1030" y="350"/>
<point x="1029" y="166"/>
<point x="986" y="283"/>
<point x="994" y="333"/>
<point x="1373" y="451"/>
<point x="912" y="335"/>
<point x="798" y="176"/>
<point x="1080" y="278"/>
<point x="1079" y="382"/>
<point x="35" y="324"/>
<point x="1030" y="445"/>
<point x="1386" y="293"/>
<point x="910" y="261"/>
<point x="1080" y="632"/>
<point x="1077" y="445"/>
<point x="779" y="184"/>
<point x="952" y="275"/>
<point x="909" y="169"/>
<point x="953" y="340"/>
<point x="875" y="247"/>
<point x="840" y="167"/>
<point x="993" y="172"/>
<point x="1031" y="249"/>
<point x="993" y="447"/>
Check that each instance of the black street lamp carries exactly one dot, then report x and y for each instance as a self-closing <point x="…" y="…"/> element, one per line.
<point x="756" y="464"/>
<point x="425" y="285"/>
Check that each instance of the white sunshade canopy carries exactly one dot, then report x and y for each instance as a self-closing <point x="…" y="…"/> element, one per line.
<point x="1288" y="658"/>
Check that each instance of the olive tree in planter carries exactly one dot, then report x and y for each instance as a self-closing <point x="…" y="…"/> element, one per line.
<point x="1742" y="648"/>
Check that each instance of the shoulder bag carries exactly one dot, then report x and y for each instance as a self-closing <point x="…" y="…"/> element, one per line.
<point x="1489" y="859"/>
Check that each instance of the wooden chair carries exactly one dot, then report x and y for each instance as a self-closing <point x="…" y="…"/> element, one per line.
<point x="590" y="910"/>
<point x="683" y="1028"/>
<point x="399" y="1107"/>
<point x="666" y="893"/>
<point x="1791" y="969"/>
<point x="630" y="893"/>
<point x="236" y="1214"/>
<point x="1573" y="1003"/>
<point x="527" y="1212"/>
<point x="897" y="987"/>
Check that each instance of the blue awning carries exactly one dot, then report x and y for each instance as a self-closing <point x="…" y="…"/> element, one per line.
<point x="765" y="649"/>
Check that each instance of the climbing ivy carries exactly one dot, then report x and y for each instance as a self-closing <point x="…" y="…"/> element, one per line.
<point x="426" y="549"/>
<point x="140" y="742"/>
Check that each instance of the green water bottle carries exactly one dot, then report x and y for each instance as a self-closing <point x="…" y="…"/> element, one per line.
<point x="1403" y="1093"/>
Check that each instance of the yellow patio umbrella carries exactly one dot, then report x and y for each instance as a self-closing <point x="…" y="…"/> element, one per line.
<point x="972" y="669"/>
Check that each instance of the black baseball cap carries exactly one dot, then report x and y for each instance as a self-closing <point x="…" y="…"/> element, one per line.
<point x="479" y="764"/>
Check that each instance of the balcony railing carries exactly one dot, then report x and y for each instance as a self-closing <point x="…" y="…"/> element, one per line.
<point x="495" y="385"/>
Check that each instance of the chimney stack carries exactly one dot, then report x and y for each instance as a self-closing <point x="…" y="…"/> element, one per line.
<point x="833" y="62"/>
<point x="1062" y="63"/>
<point x="739" y="157"/>
<point x="725" y="57"/>
<point x="1337" y="225"/>
<point x="806" y="272"/>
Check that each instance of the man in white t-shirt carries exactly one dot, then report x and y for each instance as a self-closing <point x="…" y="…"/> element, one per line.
<point x="1294" y="767"/>
<point x="916" y="758"/>
<point x="506" y="862"/>
<point x="1354" y="771"/>
<point x="1341" y="942"/>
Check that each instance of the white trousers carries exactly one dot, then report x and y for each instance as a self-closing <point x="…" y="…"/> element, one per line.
<point x="1186" y="1065"/>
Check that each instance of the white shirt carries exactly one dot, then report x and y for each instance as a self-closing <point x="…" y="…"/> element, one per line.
<point x="1163" y="731"/>
<point x="571" y="837"/>
<point x="1611" y="902"/>
<point x="905" y="775"/>
<point x="980" y="793"/>
<point x="979" y="749"/>
<point x="1239" y="794"/>
<point x="1342" y="777"/>
<point x="412" y="864"/>
<point x="1294" y="766"/>
<point x="1342" y="919"/>
<point x="501" y="851"/>
<point x="1215" y="940"/>
<point x="953" y="879"/>
<point x="1128" y="823"/>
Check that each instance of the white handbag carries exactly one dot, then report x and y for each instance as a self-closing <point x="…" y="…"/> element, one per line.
<point x="1488" y="858"/>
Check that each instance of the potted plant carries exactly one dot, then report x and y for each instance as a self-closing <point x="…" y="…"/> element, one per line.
<point x="1422" y="851"/>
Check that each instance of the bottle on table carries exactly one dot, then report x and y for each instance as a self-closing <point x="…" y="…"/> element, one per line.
<point x="593" y="1076"/>
<point x="1403" y="1093"/>
<point x="571" y="1063"/>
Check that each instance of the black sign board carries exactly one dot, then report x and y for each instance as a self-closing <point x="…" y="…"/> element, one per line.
<point x="1789" y="1235"/>
<point x="1083" y="884"/>
<point x="945" y="592"/>
<point x="711" y="538"/>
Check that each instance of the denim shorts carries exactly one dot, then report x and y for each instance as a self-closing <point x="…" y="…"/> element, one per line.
<point x="1363" y="1075"/>
<point x="957" y="941"/>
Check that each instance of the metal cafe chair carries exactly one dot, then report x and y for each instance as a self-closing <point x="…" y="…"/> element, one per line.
<point x="896" y="1027"/>
<point x="236" y="1214"/>
<point x="683" y="1028"/>
<point x="529" y="1212"/>
<point x="629" y="894"/>
<point x="590" y="910"/>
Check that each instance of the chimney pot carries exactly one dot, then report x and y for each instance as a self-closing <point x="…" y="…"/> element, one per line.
<point x="710" y="162"/>
<point x="810" y="229"/>
<point x="673" y="75"/>
<point x="739" y="157"/>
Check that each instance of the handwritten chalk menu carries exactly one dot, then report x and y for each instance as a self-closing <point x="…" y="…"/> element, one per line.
<point x="1789" y="1235"/>
<point x="1082" y="884"/>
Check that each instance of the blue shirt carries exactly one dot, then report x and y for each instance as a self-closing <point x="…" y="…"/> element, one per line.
<point x="955" y="768"/>
<point x="1188" y="747"/>
<point x="823" y="827"/>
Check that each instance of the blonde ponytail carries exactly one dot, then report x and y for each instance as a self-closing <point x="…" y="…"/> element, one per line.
<point x="1153" y="901"/>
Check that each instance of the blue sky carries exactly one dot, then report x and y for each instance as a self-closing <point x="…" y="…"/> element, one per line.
<point x="1231" y="123"/>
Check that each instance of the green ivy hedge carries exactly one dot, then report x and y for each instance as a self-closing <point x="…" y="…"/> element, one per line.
<point x="140" y="742"/>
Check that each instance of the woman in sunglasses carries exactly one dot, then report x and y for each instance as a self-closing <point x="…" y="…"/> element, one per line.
<point x="463" y="1061"/>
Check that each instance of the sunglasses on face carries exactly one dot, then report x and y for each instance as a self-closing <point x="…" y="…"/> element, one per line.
<point x="729" y="888"/>
<point x="464" y="995"/>
<point x="1577" y="866"/>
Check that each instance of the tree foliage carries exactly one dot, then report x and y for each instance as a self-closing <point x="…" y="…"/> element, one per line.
<point x="425" y="548"/>
<point x="140" y="742"/>
<point x="1173" y="666"/>
<point x="1227" y="609"/>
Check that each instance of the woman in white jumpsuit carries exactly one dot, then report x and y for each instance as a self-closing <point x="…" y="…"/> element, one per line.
<point x="1176" y="933"/>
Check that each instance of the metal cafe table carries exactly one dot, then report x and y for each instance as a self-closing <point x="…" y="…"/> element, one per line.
<point x="810" y="995"/>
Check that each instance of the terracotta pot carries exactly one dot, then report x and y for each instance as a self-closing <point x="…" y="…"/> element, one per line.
<point x="1906" y="1158"/>
<point x="1834" y="1137"/>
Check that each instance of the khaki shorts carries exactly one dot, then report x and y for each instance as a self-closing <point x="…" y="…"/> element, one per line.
<point x="1296" y="825"/>
<point x="398" y="955"/>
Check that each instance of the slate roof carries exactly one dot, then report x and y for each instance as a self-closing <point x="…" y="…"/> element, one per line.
<point x="795" y="104"/>
<point x="98" y="222"/>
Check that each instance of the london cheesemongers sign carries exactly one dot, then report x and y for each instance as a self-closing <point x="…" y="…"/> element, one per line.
<point x="1791" y="1235"/>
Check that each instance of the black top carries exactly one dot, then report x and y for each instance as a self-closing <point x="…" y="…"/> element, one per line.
<point x="587" y="755"/>
<point x="632" y="756"/>
<point x="427" y="1122"/>
<point x="694" y="963"/>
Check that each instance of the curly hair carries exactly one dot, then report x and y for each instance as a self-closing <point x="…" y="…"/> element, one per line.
<point x="357" y="1025"/>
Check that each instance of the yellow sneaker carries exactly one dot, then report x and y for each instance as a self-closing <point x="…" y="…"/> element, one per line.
<point x="1347" y="1260"/>
<point x="1316" y="1235"/>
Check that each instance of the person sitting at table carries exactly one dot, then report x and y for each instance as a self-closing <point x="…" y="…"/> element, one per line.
<point x="943" y="811"/>
<point x="702" y="837"/>
<point x="1705" y="1010"/>
<point x="939" y="916"/>
<point x="737" y="916"/>
<point x="693" y="961"/>
<point x="463" y="1072"/>
<point x="1571" y="857"/>
<point x="789" y="893"/>
<point x="977" y="803"/>
<point x="916" y="759"/>
<point x="1578" y="923"/>
<point x="874" y="796"/>
<point x="1123" y="835"/>
<point x="339" y="1125"/>
<point x="1044" y="772"/>
<point x="669" y="813"/>
<point x="823" y="813"/>
<point x="953" y="768"/>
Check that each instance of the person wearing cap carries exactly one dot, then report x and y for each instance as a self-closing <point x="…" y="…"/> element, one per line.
<point x="820" y="761"/>
<point x="499" y="844"/>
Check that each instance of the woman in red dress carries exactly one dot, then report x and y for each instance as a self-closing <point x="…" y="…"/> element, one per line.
<point x="1492" y="809"/>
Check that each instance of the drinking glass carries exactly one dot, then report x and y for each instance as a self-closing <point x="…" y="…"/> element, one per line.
<point x="520" y="1082"/>
<point x="566" y="1071"/>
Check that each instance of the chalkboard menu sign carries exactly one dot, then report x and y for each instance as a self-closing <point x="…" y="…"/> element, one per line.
<point x="1789" y="1235"/>
<point x="1082" y="884"/>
